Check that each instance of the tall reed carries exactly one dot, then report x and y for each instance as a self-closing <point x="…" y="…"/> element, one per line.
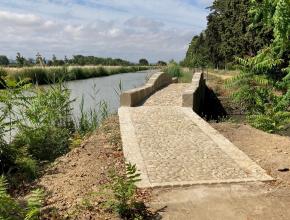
<point x="48" y="75"/>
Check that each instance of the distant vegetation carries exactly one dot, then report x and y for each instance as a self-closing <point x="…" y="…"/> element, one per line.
<point x="46" y="75"/>
<point x="76" y="60"/>
<point x="252" y="36"/>
<point x="143" y="62"/>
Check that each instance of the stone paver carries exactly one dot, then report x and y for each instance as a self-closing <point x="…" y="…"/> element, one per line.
<point x="168" y="96"/>
<point x="172" y="145"/>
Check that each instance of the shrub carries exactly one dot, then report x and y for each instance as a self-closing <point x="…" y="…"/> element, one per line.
<point x="173" y="69"/>
<point x="123" y="200"/>
<point x="11" y="209"/>
<point x="46" y="124"/>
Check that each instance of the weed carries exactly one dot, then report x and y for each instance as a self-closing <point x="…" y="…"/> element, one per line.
<point x="10" y="209"/>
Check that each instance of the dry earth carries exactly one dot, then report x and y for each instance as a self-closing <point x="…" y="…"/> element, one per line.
<point x="73" y="177"/>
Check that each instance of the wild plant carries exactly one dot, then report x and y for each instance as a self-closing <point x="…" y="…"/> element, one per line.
<point x="88" y="121"/>
<point x="46" y="124"/>
<point x="123" y="196"/>
<point x="11" y="209"/>
<point x="173" y="69"/>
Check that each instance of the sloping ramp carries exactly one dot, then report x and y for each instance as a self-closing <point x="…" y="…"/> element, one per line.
<point x="173" y="146"/>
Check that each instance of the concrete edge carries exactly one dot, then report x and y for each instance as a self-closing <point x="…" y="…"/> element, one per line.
<point x="228" y="147"/>
<point x="193" y="97"/>
<point x="135" y="96"/>
<point x="132" y="149"/>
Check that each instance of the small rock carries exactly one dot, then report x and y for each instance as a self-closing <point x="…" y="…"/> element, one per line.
<point x="283" y="169"/>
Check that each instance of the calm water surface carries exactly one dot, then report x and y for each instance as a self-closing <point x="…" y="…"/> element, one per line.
<point x="106" y="89"/>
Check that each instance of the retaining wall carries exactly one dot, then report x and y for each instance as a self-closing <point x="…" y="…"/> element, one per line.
<point x="136" y="96"/>
<point x="193" y="97"/>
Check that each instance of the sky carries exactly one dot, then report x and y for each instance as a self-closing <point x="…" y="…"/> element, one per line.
<point x="127" y="29"/>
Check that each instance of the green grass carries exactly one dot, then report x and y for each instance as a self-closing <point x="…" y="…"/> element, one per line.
<point x="186" y="76"/>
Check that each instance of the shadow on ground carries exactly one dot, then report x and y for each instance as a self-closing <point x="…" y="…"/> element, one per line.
<point x="212" y="109"/>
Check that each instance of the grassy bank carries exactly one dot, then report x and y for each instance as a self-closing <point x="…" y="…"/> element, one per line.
<point x="46" y="75"/>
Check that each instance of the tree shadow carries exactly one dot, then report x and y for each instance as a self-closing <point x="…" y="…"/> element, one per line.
<point x="142" y="211"/>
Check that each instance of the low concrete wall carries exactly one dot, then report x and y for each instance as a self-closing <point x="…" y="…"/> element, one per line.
<point x="193" y="97"/>
<point x="136" y="96"/>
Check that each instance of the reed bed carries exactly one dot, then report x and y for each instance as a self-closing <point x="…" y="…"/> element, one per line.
<point x="47" y="75"/>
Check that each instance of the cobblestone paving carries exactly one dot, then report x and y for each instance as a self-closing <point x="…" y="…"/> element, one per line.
<point x="172" y="145"/>
<point x="169" y="96"/>
<point x="175" y="149"/>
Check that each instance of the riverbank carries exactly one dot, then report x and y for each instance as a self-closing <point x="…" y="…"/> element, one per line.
<point x="74" y="183"/>
<point x="48" y="75"/>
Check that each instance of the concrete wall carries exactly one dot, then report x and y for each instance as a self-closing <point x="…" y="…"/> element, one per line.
<point x="193" y="97"/>
<point x="136" y="96"/>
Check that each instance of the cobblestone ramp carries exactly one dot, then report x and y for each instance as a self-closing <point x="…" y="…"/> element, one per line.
<point x="173" y="146"/>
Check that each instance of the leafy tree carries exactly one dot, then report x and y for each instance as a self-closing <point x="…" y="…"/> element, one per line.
<point x="228" y="35"/>
<point x="264" y="82"/>
<point x="39" y="59"/>
<point x="20" y="60"/>
<point x="143" y="62"/>
<point x="161" y="63"/>
<point x="4" y="60"/>
<point x="197" y="54"/>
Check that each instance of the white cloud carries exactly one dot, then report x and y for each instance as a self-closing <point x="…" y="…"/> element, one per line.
<point x="127" y="29"/>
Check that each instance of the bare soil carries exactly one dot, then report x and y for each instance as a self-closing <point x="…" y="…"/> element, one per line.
<point x="75" y="176"/>
<point x="74" y="182"/>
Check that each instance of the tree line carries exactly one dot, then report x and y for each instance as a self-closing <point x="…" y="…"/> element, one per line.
<point x="79" y="60"/>
<point x="230" y="33"/>
<point x="254" y="36"/>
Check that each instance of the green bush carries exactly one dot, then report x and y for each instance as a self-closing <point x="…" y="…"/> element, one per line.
<point x="46" y="124"/>
<point x="270" y="121"/>
<point x="124" y="193"/>
<point x="173" y="69"/>
<point x="43" y="143"/>
<point x="11" y="209"/>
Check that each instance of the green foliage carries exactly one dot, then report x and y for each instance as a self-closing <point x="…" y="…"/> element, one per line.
<point x="10" y="209"/>
<point x="91" y="60"/>
<point x="161" y="63"/>
<point x="173" y="69"/>
<point x="4" y="60"/>
<point x="143" y="62"/>
<point x="20" y="60"/>
<point x="46" y="123"/>
<point x="197" y="53"/>
<point x="47" y="75"/>
<point x="227" y="35"/>
<point x="88" y="121"/>
<point x="124" y="189"/>
<point x="34" y="204"/>
<point x="270" y="121"/>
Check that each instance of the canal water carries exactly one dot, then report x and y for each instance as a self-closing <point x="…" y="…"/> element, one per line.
<point x="100" y="89"/>
<point x="96" y="90"/>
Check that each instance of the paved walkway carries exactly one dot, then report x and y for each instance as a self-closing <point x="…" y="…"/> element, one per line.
<point x="173" y="146"/>
<point x="169" y="96"/>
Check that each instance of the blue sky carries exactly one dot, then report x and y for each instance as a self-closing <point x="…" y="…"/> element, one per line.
<point x="129" y="29"/>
